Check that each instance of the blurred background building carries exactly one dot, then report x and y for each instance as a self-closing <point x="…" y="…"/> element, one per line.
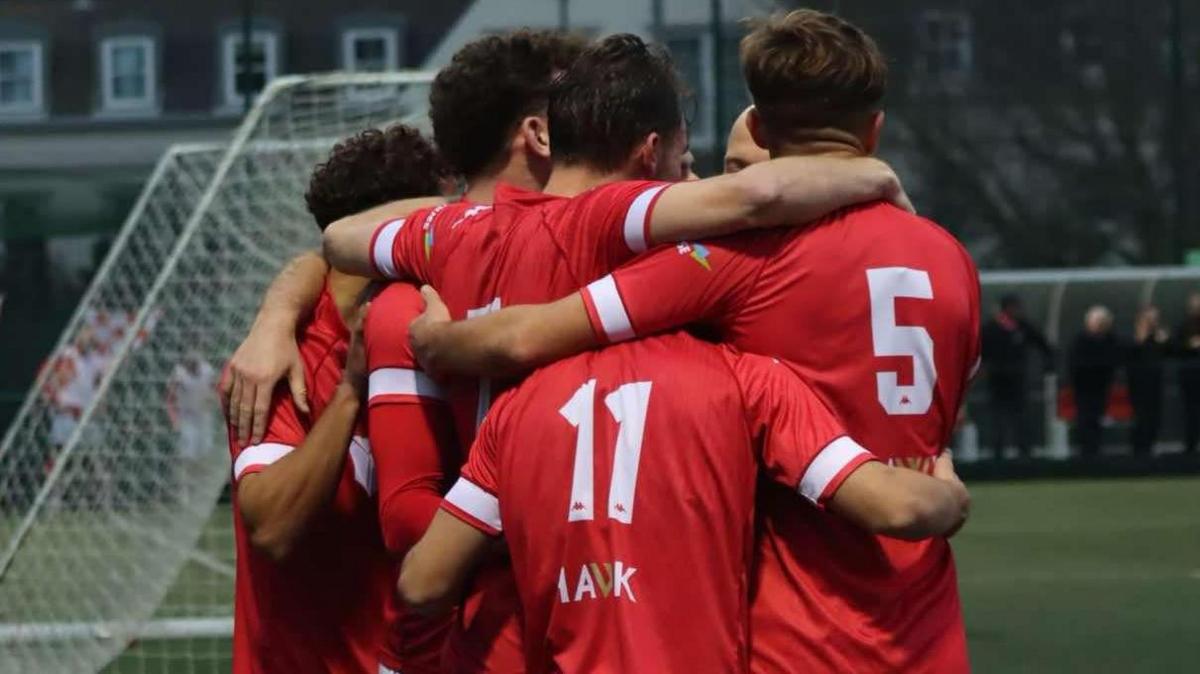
<point x="1043" y="135"/>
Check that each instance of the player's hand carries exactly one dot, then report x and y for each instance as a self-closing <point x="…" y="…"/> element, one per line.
<point x="355" y="373"/>
<point x="267" y="355"/>
<point x="423" y="331"/>
<point x="943" y="469"/>
<point x="893" y="190"/>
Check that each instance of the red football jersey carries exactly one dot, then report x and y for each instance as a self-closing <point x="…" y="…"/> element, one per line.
<point x="416" y="459"/>
<point x="320" y="610"/>
<point x="652" y="573"/>
<point x="879" y="310"/>
<point x="526" y="247"/>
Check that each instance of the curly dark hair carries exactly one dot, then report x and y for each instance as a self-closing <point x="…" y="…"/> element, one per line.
<point x="477" y="101"/>
<point x="372" y="168"/>
<point x="616" y="93"/>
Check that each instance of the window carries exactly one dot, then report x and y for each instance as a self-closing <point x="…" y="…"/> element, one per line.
<point x="248" y="72"/>
<point x="693" y="59"/>
<point x="20" y="77"/>
<point x="944" y="58"/>
<point x="369" y="50"/>
<point x="128" y="75"/>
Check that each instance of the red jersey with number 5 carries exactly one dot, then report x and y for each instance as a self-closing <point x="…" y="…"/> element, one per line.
<point x="623" y="481"/>
<point x="879" y="310"/>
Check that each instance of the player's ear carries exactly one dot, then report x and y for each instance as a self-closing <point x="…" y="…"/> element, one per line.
<point x="535" y="131"/>
<point x="757" y="131"/>
<point x="874" y="130"/>
<point x="647" y="156"/>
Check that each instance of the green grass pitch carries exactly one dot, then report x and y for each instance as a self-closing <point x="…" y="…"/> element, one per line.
<point x="1064" y="576"/>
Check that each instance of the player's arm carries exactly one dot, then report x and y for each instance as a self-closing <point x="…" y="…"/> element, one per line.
<point x="436" y="568"/>
<point x="506" y="343"/>
<point x="269" y="352"/>
<point x="347" y="242"/>
<point x="279" y="501"/>
<point x="783" y="191"/>
<point x="903" y="503"/>
<point x="665" y="289"/>
<point x="804" y="445"/>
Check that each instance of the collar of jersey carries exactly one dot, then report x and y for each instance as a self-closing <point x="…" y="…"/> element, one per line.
<point x="506" y="193"/>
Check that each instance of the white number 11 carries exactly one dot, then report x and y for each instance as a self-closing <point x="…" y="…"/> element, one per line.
<point x="628" y="405"/>
<point x="889" y="339"/>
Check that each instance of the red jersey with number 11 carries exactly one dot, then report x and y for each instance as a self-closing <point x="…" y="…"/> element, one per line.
<point x="526" y="247"/>
<point x="879" y="311"/>
<point x="623" y="481"/>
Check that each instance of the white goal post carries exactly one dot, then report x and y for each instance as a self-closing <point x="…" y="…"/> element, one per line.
<point x="110" y="543"/>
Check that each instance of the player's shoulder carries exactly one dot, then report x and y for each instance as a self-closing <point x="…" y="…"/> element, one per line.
<point x="385" y="329"/>
<point x="882" y="222"/>
<point x="621" y="192"/>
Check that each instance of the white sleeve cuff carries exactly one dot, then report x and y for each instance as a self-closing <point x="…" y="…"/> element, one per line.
<point x="263" y="454"/>
<point x="610" y="309"/>
<point x="388" y="381"/>
<point x="381" y="250"/>
<point x="472" y="500"/>
<point x="635" y="219"/>
<point x="827" y="465"/>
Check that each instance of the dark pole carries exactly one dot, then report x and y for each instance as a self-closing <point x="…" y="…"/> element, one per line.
<point x="1179" y="135"/>
<point x="656" y="19"/>
<point x="564" y="14"/>
<point x="244" y="66"/>
<point x="716" y="29"/>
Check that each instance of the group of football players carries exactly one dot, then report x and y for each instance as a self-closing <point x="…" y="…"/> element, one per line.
<point x="731" y="455"/>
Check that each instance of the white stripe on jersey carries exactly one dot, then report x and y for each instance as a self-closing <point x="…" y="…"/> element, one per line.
<point x="610" y="309"/>
<point x="474" y="501"/>
<point x="402" y="381"/>
<point x="385" y="241"/>
<point x="635" y="219"/>
<point x="263" y="454"/>
<point x="829" y="462"/>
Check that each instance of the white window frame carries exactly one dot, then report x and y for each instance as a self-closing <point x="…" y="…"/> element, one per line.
<point x="109" y="100"/>
<point x="391" y="46"/>
<point x="34" y="106"/>
<point x="229" y="44"/>
<point x="957" y="79"/>
<point x="702" y="129"/>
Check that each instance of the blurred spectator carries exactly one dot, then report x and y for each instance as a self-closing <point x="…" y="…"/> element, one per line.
<point x="1095" y="357"/>
<point x="1188" y="344"/>
<point x="1144" y="371"/>
<point x="1007" y="340"/>
<point x="192" y="407"/>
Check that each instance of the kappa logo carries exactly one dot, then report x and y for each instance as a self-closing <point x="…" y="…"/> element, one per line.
<point x="470" y="213"/>
<point x="696" y="251"/>
<point x="597" y="581"/>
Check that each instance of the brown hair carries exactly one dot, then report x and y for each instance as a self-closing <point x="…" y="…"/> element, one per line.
<point x="480" y="97"/>
<point x="372" y="168"/>
<point x="618" y="91"/>
<point x="809" y="69"/>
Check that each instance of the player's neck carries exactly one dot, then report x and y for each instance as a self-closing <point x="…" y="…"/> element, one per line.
<point x="573" y="180"/>
<point x="824" y="142"/>
<point x="515" y="171"/>
<point x="345" y="290"/>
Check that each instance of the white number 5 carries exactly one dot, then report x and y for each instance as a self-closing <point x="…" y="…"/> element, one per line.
<point x="886" y="284"/>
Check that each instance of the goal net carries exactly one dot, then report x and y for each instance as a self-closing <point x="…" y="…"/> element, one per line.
<point x="116" y="548"/>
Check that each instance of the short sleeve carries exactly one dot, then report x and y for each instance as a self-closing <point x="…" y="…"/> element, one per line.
<point x="285" y="431"/>
<point x="801" y="443"/>
<point x="394" y="375"/>
<point x="475" y="498"/>
<point x="404" y="248"/>
<point x="674" y="286"/>
<point x="608" y="225"/>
